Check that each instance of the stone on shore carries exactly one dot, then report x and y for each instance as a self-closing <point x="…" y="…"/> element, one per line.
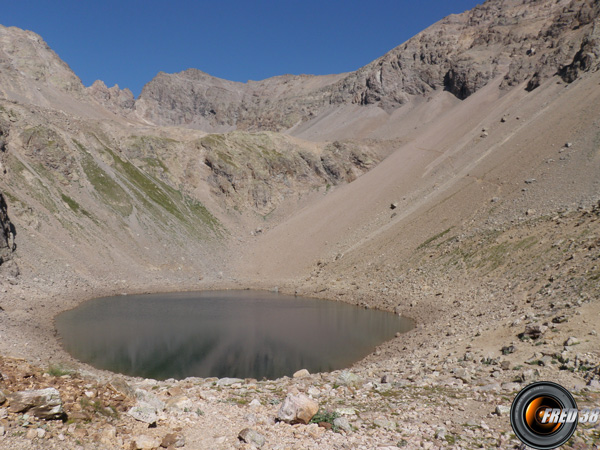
<point x="297" y="409"/>
<point x="41" y="403"/>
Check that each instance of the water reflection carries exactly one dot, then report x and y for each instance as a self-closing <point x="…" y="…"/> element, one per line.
<point x="222" y="333"/>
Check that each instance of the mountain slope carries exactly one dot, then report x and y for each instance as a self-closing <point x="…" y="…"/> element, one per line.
<point x="464" y="194"/>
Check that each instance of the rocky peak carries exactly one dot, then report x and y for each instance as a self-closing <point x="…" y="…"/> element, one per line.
<point x="24" y="56"/>
<point x="113" y="98"/>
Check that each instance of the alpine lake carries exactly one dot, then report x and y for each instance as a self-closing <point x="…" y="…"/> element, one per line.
<point x="237" y="334"/>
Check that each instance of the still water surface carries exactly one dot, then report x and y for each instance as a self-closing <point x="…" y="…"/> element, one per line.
<point x="245" y="334"/>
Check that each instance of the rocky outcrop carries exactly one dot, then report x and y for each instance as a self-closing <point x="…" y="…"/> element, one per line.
<point x="196" y="99"/>
<point x="587" y="58"/>
<point x="7" y="234"/>
<point x="260" y="170"/>
<point x="464" y="81"/>
<point x="114" y="98"/>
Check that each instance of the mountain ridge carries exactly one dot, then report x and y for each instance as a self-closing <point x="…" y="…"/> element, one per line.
<point x="523" y="42"/>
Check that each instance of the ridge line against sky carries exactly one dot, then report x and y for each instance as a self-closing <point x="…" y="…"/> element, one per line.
<point x="128" y="42"/>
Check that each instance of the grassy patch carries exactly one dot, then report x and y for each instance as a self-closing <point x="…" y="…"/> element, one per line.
<point x="159" y="199"/>
<point x="72" y="203"/>
<point x="76" y="207"/>
<point x="156" y="164"/>
<point x="58" y="370"/>
<point x="11" y="197"/>
<point x="171" y="200"/>
<point x="495" y="256"/>
<point x="99" y="408"/>
<point x="450" y="439"/>
<point x="434" y="238"/>
<point x="109" y="190"/>
<point x="526" y="243"/>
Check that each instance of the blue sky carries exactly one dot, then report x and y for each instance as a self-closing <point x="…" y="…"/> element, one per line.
<point x="129" y="41"/>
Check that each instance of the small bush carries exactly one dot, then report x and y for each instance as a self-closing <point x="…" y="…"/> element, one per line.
<point x="58" y="370"/>
<point x="325" y="416"/>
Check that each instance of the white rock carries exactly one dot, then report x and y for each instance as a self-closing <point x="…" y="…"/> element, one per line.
<point x="42" y="403"/>
<point x="346" y="411"/>
<point x="251" y="436"/>
<point x="386" y="424"/>
<point x="343" y="424"/>
<point x="594" y="384"/>
<point x="314" y="392"/>
<point x="302" y="373"/>
<point x="502" y="410"/>
<point x="144" y="413"/>
<point x="149" y="398"/>
<point x="229" y="381"/>
<point x="144" y="442"/>
<point x="180" y="403"/>
<point x="571" y="341"/>
<point x="297" y="408"/>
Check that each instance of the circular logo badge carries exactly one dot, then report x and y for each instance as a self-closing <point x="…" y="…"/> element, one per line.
<point x="544" y="415"/>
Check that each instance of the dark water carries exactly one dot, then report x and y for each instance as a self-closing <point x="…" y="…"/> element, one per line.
<point x="245" y="334"/>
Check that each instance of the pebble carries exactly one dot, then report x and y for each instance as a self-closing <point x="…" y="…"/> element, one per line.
<point x="502" y="410"/>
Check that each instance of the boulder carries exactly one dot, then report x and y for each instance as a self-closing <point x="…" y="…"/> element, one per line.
<point x="502" y="410"/>
<point x="297" y="409"/>
<point x="385" y="424"/>
<point x="253" y="437"/>
<point x="41" y="403"/>
<point x="144" y="412"/>
<point x="440" y="433"/>
<point x="148" y="398"/>
<point x="176" y="440"/>
<point x="571" y="341"/>
<point x="303" y="373"/>
<point x="347" y="379"/>
<point x="229" y="381"/>
<point x="343" y="424"/>
<point x="594" y="385"/>
<point x="179" y="403"/>
<point x="508" y="349"/>
<point x="144" y="442"/>
<point x="7" y="241"/>
<point x="534" y="331"/>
